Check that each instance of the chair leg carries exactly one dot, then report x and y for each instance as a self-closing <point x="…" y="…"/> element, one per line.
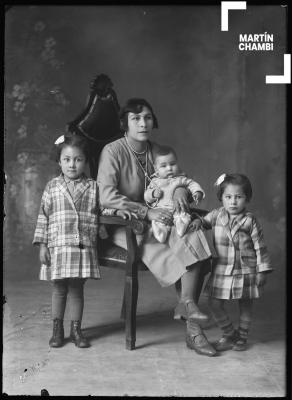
<point x="130" y="308"/>
<point x="123" y="309"/>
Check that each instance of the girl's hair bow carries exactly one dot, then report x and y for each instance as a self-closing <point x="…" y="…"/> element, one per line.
<point x="61" y="139"/>
<point x="220" y="180"/>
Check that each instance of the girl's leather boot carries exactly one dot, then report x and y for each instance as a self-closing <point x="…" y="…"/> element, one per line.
<point x="76" y="335"/>
<point x="57" y="339"/>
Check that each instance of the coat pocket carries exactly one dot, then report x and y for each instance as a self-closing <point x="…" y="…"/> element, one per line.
<point x="248" y="258"/>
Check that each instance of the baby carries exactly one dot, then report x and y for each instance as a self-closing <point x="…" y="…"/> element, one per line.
<point x="160" y="192"/>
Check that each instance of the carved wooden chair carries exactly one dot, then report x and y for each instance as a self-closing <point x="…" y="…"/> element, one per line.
<point x="128" y="260"/>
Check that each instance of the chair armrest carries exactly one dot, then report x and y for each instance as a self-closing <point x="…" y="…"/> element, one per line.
<point x="138" y="226"/>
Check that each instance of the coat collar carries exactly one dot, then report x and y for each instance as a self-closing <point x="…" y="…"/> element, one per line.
<point x="238" y="221"/>
<point x="82" y="186"/>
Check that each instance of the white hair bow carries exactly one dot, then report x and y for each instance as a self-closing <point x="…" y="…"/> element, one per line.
<point x="61" y="139"/>
<point x="220" y="180"/>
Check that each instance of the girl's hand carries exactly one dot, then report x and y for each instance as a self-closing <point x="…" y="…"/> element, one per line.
<point x="45" y="257"/>
<point x="198" y="197"/>
<point x="195" y="225"/>
<point x="157" y="193"/>
<point x="125" y="214"/>
<point x="161" y="215"/>
<point x="261" y="278"/>
<point x="180" y="199"/>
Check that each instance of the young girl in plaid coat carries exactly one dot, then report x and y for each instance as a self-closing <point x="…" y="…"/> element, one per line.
<point x="243" y="262"/>
<point x="66" y="232"/>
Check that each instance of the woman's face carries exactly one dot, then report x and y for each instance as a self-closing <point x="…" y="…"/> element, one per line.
<point x="140" y="125"/>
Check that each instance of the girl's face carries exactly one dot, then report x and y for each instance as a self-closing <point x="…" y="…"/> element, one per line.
<point x="72" y="162"/>
<point x="140" y="125"/>
<point x="233" y="199"/>
<point x="166" y="166"/>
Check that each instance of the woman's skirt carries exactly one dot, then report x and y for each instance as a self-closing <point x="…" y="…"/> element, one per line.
<point x="170" y="260"/>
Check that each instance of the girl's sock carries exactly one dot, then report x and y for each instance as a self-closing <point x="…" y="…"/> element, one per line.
<point x="221" y="317"/>
<point x="243" y="329"/>
<point x="226" y="326"/>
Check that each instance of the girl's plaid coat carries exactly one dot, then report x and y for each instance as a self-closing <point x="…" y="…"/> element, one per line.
<point x="59" y="223"/>
<point x="245" y="237"/>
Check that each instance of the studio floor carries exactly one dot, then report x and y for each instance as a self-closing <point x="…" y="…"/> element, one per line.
<point x="161" y="365"/>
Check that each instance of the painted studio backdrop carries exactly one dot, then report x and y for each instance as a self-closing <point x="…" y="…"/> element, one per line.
<point x="211" y="100"/>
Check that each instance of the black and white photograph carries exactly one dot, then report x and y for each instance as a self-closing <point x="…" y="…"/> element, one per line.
<point x="144" y="212"/>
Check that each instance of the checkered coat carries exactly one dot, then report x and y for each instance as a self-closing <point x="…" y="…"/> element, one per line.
<point x="69" y="228"/>
<point x="245" y="237"/>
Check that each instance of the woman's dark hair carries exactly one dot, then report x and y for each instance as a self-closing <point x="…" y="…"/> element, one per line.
<point x="73" y="141"/>
<point x="235" y="179"/>
<point x="163" y="151"/>
<point x="135" y="105"/>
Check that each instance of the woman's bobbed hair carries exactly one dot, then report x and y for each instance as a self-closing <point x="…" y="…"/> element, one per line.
<point x="135" y="105"/>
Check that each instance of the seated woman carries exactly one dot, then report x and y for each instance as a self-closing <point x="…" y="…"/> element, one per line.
<point x="125" y="166"/>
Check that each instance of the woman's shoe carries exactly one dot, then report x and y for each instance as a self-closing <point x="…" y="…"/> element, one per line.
<point x="200" y="344"/>
<point x="188" y="310"/>
<point x="180" y="312"/>
<point x="226" y="342"/>
<point x="240" y="345"/>
<point x="57" y="340"/>
<point x="76" y="335"/>
<point x="193" y="312"/>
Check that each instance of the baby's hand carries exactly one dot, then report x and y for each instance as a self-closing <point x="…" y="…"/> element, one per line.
<point x="45" y="257"/>
<point x="125" y="214"/>
<point x="157" y="193"/>
<point x="198" y="197"/>
<point x="195" y="225"/>
<point x="261" y="278"/>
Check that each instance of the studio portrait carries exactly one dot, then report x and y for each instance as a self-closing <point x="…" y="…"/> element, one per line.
<point x="144" y="182"/>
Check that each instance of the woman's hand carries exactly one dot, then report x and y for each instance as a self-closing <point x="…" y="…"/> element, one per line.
<point x="45" y="257"/>
<point x="180" y="199"/>
<point x="161" y="215"/>
<point x="125" y="214"/>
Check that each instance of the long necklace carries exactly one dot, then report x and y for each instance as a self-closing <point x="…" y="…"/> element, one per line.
<point x="145" y="172"/>
<point x="135" y="154"/>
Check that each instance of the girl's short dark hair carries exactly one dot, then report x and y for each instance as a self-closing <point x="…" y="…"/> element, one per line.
<point x="135" y="105"/>
<point x="235" y="179"/>
<point x="163" y="151"/>
<point x="73" y="141"/>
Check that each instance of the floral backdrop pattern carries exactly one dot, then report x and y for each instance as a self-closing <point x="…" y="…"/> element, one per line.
<point x="34" y="111"/>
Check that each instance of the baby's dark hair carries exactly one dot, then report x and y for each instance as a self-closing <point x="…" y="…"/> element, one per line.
<point x="135" y="105"/>
<point x="163" y="151"/>
<point x="73" y="141"/>
<point x="235" y="179"/>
